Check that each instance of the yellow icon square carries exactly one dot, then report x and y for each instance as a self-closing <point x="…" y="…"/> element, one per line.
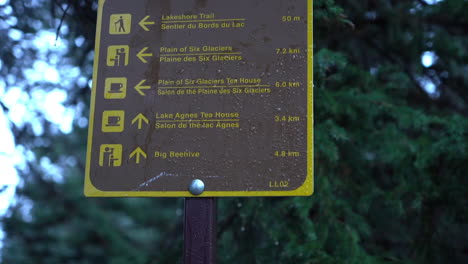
<point x="113" y="121"/>
<point x="115" y="88"/>
<point x="120" y="24"/>
<point x="117" y="55"/>
<point x="110" y="155"/>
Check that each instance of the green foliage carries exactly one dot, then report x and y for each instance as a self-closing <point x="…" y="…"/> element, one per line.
<point x="390" y="159"/>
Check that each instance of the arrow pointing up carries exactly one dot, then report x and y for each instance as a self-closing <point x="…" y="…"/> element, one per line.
<point x="143" y="23"/>
<point x="141" y="55"/>
<point x="139" y="87"/>
<point x="138" y="153"/>
<point x="140" y="118"/>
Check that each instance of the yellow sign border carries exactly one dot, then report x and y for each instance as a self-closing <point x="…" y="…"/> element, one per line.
<point x="307" y="187"/>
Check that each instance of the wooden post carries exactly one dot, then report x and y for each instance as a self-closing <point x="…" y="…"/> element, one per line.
<point x="200" y="231"/>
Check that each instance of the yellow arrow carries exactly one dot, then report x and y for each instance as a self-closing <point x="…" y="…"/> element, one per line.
<point x="143" y="23"/>
<point x="139" y="87"/>
<point x="141" y="55"/>
<point x="138" y="153"/>
<point x="140" y="118"/>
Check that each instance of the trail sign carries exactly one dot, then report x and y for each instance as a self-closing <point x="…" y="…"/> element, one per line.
<point x="219" y="91"/>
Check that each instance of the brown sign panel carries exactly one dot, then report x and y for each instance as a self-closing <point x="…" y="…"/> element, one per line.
<point x="219" y="91"/>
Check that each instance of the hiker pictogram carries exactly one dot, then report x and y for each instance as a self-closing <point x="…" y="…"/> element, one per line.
<point x="120" y="24"/>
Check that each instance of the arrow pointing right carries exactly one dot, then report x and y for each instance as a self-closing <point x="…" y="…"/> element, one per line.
<point x="140" y="118"/>
<point x="138" y="152"/>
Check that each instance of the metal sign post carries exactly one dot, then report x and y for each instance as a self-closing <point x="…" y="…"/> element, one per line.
<point x="200" y="231"/>
<point x="199" y="227"/>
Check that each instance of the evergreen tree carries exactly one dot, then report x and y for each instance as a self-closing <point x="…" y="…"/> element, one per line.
<point x="390" y="149"/>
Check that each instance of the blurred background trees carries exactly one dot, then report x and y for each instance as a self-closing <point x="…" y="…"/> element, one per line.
<point x="391" y="154"/>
